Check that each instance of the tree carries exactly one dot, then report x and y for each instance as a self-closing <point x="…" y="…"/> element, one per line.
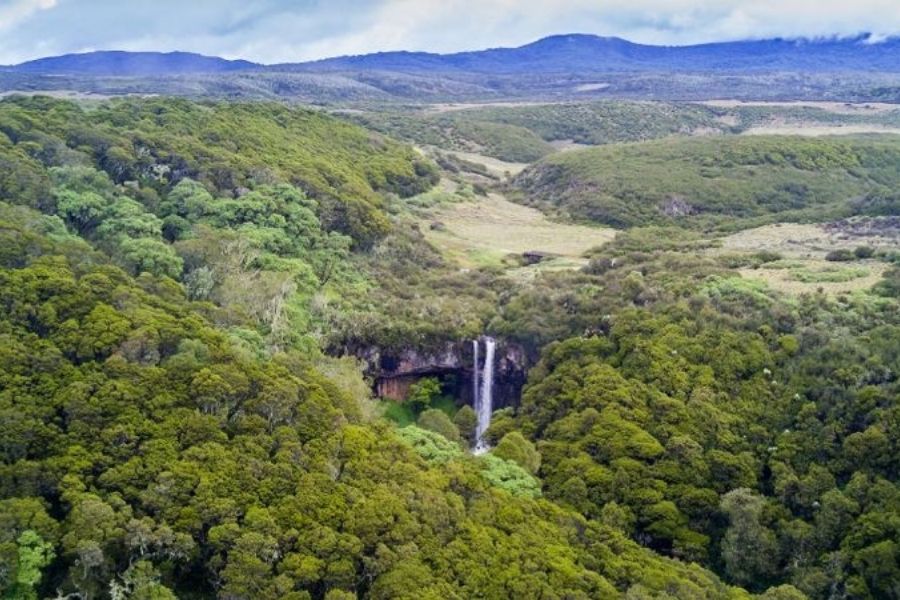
<point x="152" y="256"/>
<point x="748" y="548"/>
<point x="423" y="393"/>
<point x="437" y="421"/>
<point x="513" y="446"/>
<point x="466" y="422"/>
<point x="82" y="211"/>
<point x="34" y="554"/>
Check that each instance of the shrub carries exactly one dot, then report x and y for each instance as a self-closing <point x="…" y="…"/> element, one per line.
<point x="841" y="255"/>
<point x="437" y="421"/>
<point x="516" y="448"/>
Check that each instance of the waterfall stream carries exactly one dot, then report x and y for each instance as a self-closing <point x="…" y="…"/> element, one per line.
<point x="484" y="396"/>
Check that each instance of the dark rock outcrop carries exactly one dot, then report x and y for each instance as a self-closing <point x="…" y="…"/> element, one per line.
<point x="393" y="372"/>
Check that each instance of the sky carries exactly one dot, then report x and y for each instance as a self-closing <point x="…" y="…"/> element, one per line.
<point x="271" y="31"/>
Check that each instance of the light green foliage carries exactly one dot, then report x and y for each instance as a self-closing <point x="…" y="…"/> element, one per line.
<point x="430" y="445"/>
<point x="510" y="477"/>
<point x="514" y="447"/>
<point x="466" y="422"/>
<point x="437" y="421"/>
<point x="34" y="554"/>
<point x="423" y="393"/>
<point x="151" y="256"/>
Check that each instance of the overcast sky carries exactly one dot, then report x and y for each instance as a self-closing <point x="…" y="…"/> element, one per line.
<point x="292" y="30"/>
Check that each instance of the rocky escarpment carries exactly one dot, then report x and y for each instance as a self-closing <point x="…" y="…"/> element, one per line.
<point x="394" y="371"/>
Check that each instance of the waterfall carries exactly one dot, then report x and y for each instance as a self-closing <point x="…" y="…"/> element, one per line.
<point x="475" y="388"/>
<point x="484" y="398"/>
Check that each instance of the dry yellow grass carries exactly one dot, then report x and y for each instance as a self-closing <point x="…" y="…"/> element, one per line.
<point x="844" y="108"/>
<point x="488" y="230"/>
<point x="806" y="245"/>
<point x="783" y="279"/>
<point x="494" y="165"/>
<point x="797" y="240"/>
<point x="815" y="130"/>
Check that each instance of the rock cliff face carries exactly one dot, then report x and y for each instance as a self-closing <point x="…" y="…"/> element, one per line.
<point x="394" y="372"/>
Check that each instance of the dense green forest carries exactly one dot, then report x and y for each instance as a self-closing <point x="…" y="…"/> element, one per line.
<point x="183" y="287"/>
<point x="523" y="133"/>
<point x="719" y="182"/>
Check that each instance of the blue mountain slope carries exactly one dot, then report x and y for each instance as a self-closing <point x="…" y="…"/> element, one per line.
<point x="570" y="53"/>
<point x="574" y="53"/>
<point x="136" y="64"/>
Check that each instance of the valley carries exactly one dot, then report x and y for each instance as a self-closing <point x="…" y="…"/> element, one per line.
<point x="424" y="327"/>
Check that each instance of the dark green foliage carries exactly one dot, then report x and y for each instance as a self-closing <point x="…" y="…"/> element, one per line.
<point x="226" y="147"/>
<point x="146" y="453"/>
<point x="840" y="256"/>
<point x="720" y="182"/>
<point x="705" y="434"/>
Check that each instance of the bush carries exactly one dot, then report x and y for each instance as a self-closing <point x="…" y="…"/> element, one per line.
<point x="466" y="421"/>
<point x="841" y="255"/>
<point x="863" y="252"/>
<point x="423" y="393"/>
<point x="509" y="477"/>
<point x="437" y="421"/>
<point x="516" y="448"/>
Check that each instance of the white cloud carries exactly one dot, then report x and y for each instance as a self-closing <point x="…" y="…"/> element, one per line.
<point x="291" y="30"/>
<point x="453" y="25"/>
<point x="16" y="11"/>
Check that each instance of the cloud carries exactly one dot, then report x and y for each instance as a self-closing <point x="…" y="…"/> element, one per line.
<point x="291" y="30"/>
<point x="15" y="11"/>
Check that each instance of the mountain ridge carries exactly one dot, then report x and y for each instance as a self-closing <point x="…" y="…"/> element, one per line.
<point x="552" y="54"/>
<point x="124" y="63"/>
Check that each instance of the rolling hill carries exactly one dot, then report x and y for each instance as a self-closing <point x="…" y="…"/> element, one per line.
<point x="715" y="182"/>
<point x="132" y="64"/>
<point x="590" y="53"/>
<point x="570" y="53"/>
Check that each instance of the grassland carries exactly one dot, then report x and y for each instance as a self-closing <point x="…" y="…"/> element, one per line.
<point x="809" y="276"/>
<point x="798" y="240"/>
<point x="492" y="231"/>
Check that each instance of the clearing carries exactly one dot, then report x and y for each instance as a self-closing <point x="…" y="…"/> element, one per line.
<point x="815" y="130"/>
<point x="842" y="108"/>
<point x="804" y="246"/>
<point x="488" y="230"/>
<point x="809" y="276"/>
<point x="797" y="240"/>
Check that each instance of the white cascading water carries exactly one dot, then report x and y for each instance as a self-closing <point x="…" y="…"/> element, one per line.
<point x="475" y="389"/>
<point x="484" y="398"/>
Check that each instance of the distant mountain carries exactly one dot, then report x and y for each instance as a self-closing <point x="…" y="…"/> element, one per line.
<point x="132" y="64"/>
<point x="589" y="53"/>
<point x="573" y="54"/>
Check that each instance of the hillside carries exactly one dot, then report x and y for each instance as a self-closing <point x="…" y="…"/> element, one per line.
<point x="199" y="300"/>
<point x="170" y="424"/>
<point x="573" y="53"/>
<point x="131" y="64"/>
<point x="719" y="182"/>
<point x="572" y="67"/>
<point x="226" y="147"/>
<point x="145" y="448"/>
